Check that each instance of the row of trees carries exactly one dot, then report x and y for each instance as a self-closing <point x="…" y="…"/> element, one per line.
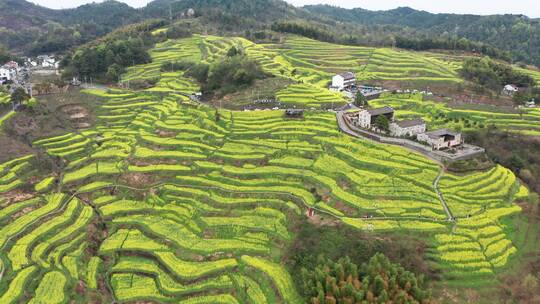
<point x="378" y="281"/>
<point x="385" y="39"/>
<point x="463" y="44"/>
<point x="494" y="75"/>
<point x="305" y="30"/>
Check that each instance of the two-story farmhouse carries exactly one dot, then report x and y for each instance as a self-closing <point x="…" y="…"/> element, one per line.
<point x="367" y="118"/>
<point x="441" y="139"/>
<point x="343" y="81"/>
<point x="408" y="127"/>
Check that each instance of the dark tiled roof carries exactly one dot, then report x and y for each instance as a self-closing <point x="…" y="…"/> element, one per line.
<point x="411" y="123"/>
<point x="442" y="132"/>
<point x="294" y="111"/>
<point x="347" y="75"/>
<point x="381" y="111"/>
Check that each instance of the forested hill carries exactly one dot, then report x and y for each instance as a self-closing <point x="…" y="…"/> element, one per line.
<point x="31" y="29"/>
<point x="517" y="34"/>
<point x="34" y="29"/>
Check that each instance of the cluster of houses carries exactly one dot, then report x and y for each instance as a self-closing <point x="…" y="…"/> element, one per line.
<point x="438" y="139"/>
<point x="12" y="70"/>
<point x="9" y="71"/>
<point x="416" y="128"/>
<point x="43" y="62"/>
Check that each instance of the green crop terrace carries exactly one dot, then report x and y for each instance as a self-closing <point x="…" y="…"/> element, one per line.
<point x="310" y="63"/>
<point x="213" y="209"/>
<point x="159" y="201"/>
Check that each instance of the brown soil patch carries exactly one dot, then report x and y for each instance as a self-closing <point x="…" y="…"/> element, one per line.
<point x="77" y="114"/>
<point x="346" y="209"/>
<point x="83" y="125"/>
<point x="137" y="180"/>
<point x="15" y="196"/>
<point x="22" y="212"/>
<point x="163" y="133"/>
<point x="323" y="220"/>
<point x="12" y="148"/>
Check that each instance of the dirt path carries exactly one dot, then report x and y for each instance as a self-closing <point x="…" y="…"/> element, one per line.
<point x="441" y="197"/>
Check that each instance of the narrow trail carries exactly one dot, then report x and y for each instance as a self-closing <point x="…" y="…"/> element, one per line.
<point x="441" y="197"/>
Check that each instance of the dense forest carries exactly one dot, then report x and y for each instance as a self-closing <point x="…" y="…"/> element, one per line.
<point x="106" y="59"/>
<point x="493" y="75"/>
<point x="32" y="29"/>
<point x="378" y="281"/>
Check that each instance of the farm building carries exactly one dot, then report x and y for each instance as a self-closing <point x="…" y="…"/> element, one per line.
<point x="294" y="112"/>
<point x="510" y="89"/>
<point x="366" y="118"/>
<point x="342" y="81"/>
<point x="8" y="71"/>
<point x="408" y="127"/>
<point x="441" y="139"/>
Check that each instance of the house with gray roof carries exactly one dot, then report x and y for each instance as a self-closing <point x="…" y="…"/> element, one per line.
<point x="410" y="127"/>
<point x="441" y="139"/>
<point x="342" y="81"/>
<point x="367" y="118"/>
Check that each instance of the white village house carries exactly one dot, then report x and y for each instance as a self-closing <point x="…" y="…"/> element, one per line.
<point x="6" y="74"/>
<point x="342" y="81"/>
<point x="408" y="127"/>
<point x="510" y="89"/>
<point x="8" y="71"/>
<point x="367" y="118"/>
<point x="48" y="62"/>
<point x="441" y="139"/>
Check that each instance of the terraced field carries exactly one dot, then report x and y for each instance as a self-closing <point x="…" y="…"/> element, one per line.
<point x="162" y="202"/>
<point x="310" y="63"/>
<point x="315" y="62"/>
<point x="439" y="115"/>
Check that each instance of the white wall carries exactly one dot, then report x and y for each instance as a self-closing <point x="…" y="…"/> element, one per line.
<point x="364" y="119"/>
<point x="338" y="81"/>
<point x="396" y="130"/>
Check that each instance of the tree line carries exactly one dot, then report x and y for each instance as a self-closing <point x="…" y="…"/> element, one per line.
<point x="378" y="281"/>
<point x="107" y="58"/>
<point x="462" y="44"/>
<point x="494" y="75"/>
<point x="323" y="33"/>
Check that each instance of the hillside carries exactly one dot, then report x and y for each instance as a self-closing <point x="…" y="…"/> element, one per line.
<point x="168" y="200"/>
<point x="514" y="33"/>
<point x="34" y="29"/>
